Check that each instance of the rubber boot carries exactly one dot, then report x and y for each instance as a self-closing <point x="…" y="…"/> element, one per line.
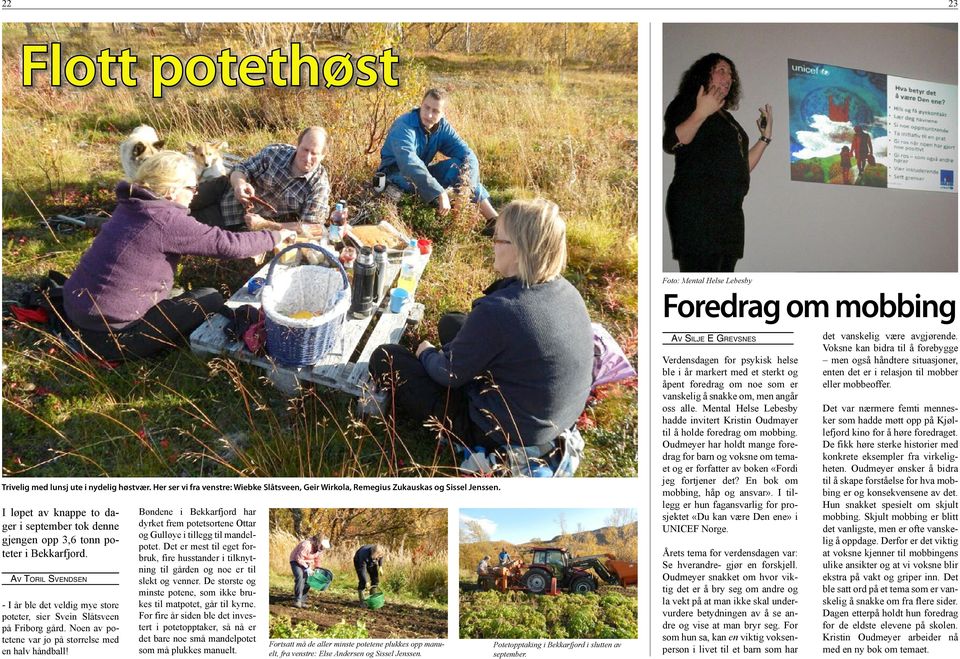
<point x="360" y="596"/>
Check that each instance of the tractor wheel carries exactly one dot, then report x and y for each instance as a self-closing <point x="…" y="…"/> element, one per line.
<point x="536" y="581"/>
<point x="582" y="586"/>
<point x="485" y="583"/>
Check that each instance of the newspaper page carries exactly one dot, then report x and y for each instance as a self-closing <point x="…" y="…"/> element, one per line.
<point x="209" y="500"/>
<point x="253" y="485"/>
<point x="803" y="347"/>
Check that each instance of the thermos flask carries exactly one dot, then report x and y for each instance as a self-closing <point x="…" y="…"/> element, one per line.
<point x="364" y="278"/>
<point x="381" y="283"/>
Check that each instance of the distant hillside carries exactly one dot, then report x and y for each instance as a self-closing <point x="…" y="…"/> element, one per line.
<point x="604" y="536"/>
<point x="618" y="540"/>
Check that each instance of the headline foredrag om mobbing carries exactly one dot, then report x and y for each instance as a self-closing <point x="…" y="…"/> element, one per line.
<point x="769" y="310"/>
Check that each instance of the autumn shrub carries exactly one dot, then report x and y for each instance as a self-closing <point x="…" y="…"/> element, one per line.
<point x="430" y="582"/>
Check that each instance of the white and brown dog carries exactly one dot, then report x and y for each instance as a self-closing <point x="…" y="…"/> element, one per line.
<point x="142" y="143"/>
<point x="209" y="159"/>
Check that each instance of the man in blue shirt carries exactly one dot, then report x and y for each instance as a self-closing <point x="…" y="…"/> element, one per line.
<point x="414" y="140"/>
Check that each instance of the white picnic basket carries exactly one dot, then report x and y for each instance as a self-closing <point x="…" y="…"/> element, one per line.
<point x="321" y="290"/>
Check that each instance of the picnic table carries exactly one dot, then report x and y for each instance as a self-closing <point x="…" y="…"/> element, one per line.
<point x="338" y="369"/>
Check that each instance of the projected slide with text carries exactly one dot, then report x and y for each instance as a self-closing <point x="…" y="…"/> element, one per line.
<point x="853" y="127"/>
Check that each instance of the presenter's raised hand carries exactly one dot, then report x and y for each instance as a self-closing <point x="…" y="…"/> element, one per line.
<point x="709" y="101"/>
<point x="765" y="121"/>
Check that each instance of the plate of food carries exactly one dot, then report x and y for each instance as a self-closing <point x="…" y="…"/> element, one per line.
<point x="368" y="235"/>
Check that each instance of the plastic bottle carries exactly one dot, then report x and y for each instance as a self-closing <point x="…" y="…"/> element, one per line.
<point x="333" y="235"/>
<point x="340" y="213"/>
<point x="337" y="220"/>
<point x="408" y="264"/>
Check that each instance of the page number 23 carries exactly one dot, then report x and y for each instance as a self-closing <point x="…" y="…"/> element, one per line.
<point x="952" y="4"/>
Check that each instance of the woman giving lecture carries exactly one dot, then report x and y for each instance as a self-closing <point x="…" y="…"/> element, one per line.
<point x="713" y="164"/>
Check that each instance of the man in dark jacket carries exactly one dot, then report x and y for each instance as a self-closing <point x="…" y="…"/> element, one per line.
<point x="414" y="140"/>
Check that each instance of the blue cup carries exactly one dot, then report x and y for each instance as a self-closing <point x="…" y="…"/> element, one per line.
<point x="398" y="298"/>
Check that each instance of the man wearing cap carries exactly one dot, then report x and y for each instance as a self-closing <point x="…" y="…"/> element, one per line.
<point x="304" y="559"/>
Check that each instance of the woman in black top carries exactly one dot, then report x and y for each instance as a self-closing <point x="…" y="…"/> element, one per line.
<point x="713" y="164"/>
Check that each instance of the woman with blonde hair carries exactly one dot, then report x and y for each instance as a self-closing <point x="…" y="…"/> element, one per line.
<point x="117" y="300"/>
<point x="515" y="371"/>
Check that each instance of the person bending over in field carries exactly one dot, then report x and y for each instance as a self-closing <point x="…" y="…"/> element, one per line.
<point x="414" y="140"/>
<point x="368" y="562"/>
<point x="304" y="559"/>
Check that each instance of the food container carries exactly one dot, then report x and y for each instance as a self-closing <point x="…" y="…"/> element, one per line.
<point x="323" y="292"/>
<point x="320" y="579"/>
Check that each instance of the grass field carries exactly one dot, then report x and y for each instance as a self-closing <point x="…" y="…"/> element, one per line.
<point x="565" y="130"/>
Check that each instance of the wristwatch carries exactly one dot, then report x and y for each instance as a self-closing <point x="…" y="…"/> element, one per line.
<point x="765" y="139"/>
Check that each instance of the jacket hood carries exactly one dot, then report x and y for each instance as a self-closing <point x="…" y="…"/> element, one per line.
<point x="126" y="191"/>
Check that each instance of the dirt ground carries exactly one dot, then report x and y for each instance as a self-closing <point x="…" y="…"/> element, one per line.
<point x="392" y="621"/>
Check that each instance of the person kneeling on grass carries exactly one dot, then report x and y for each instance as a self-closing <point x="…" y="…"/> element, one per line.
<point x="304" y="559"/>
<point x="116" y="301"/>
<point x="516" y="371"/>
<point x="368" y="562"/>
